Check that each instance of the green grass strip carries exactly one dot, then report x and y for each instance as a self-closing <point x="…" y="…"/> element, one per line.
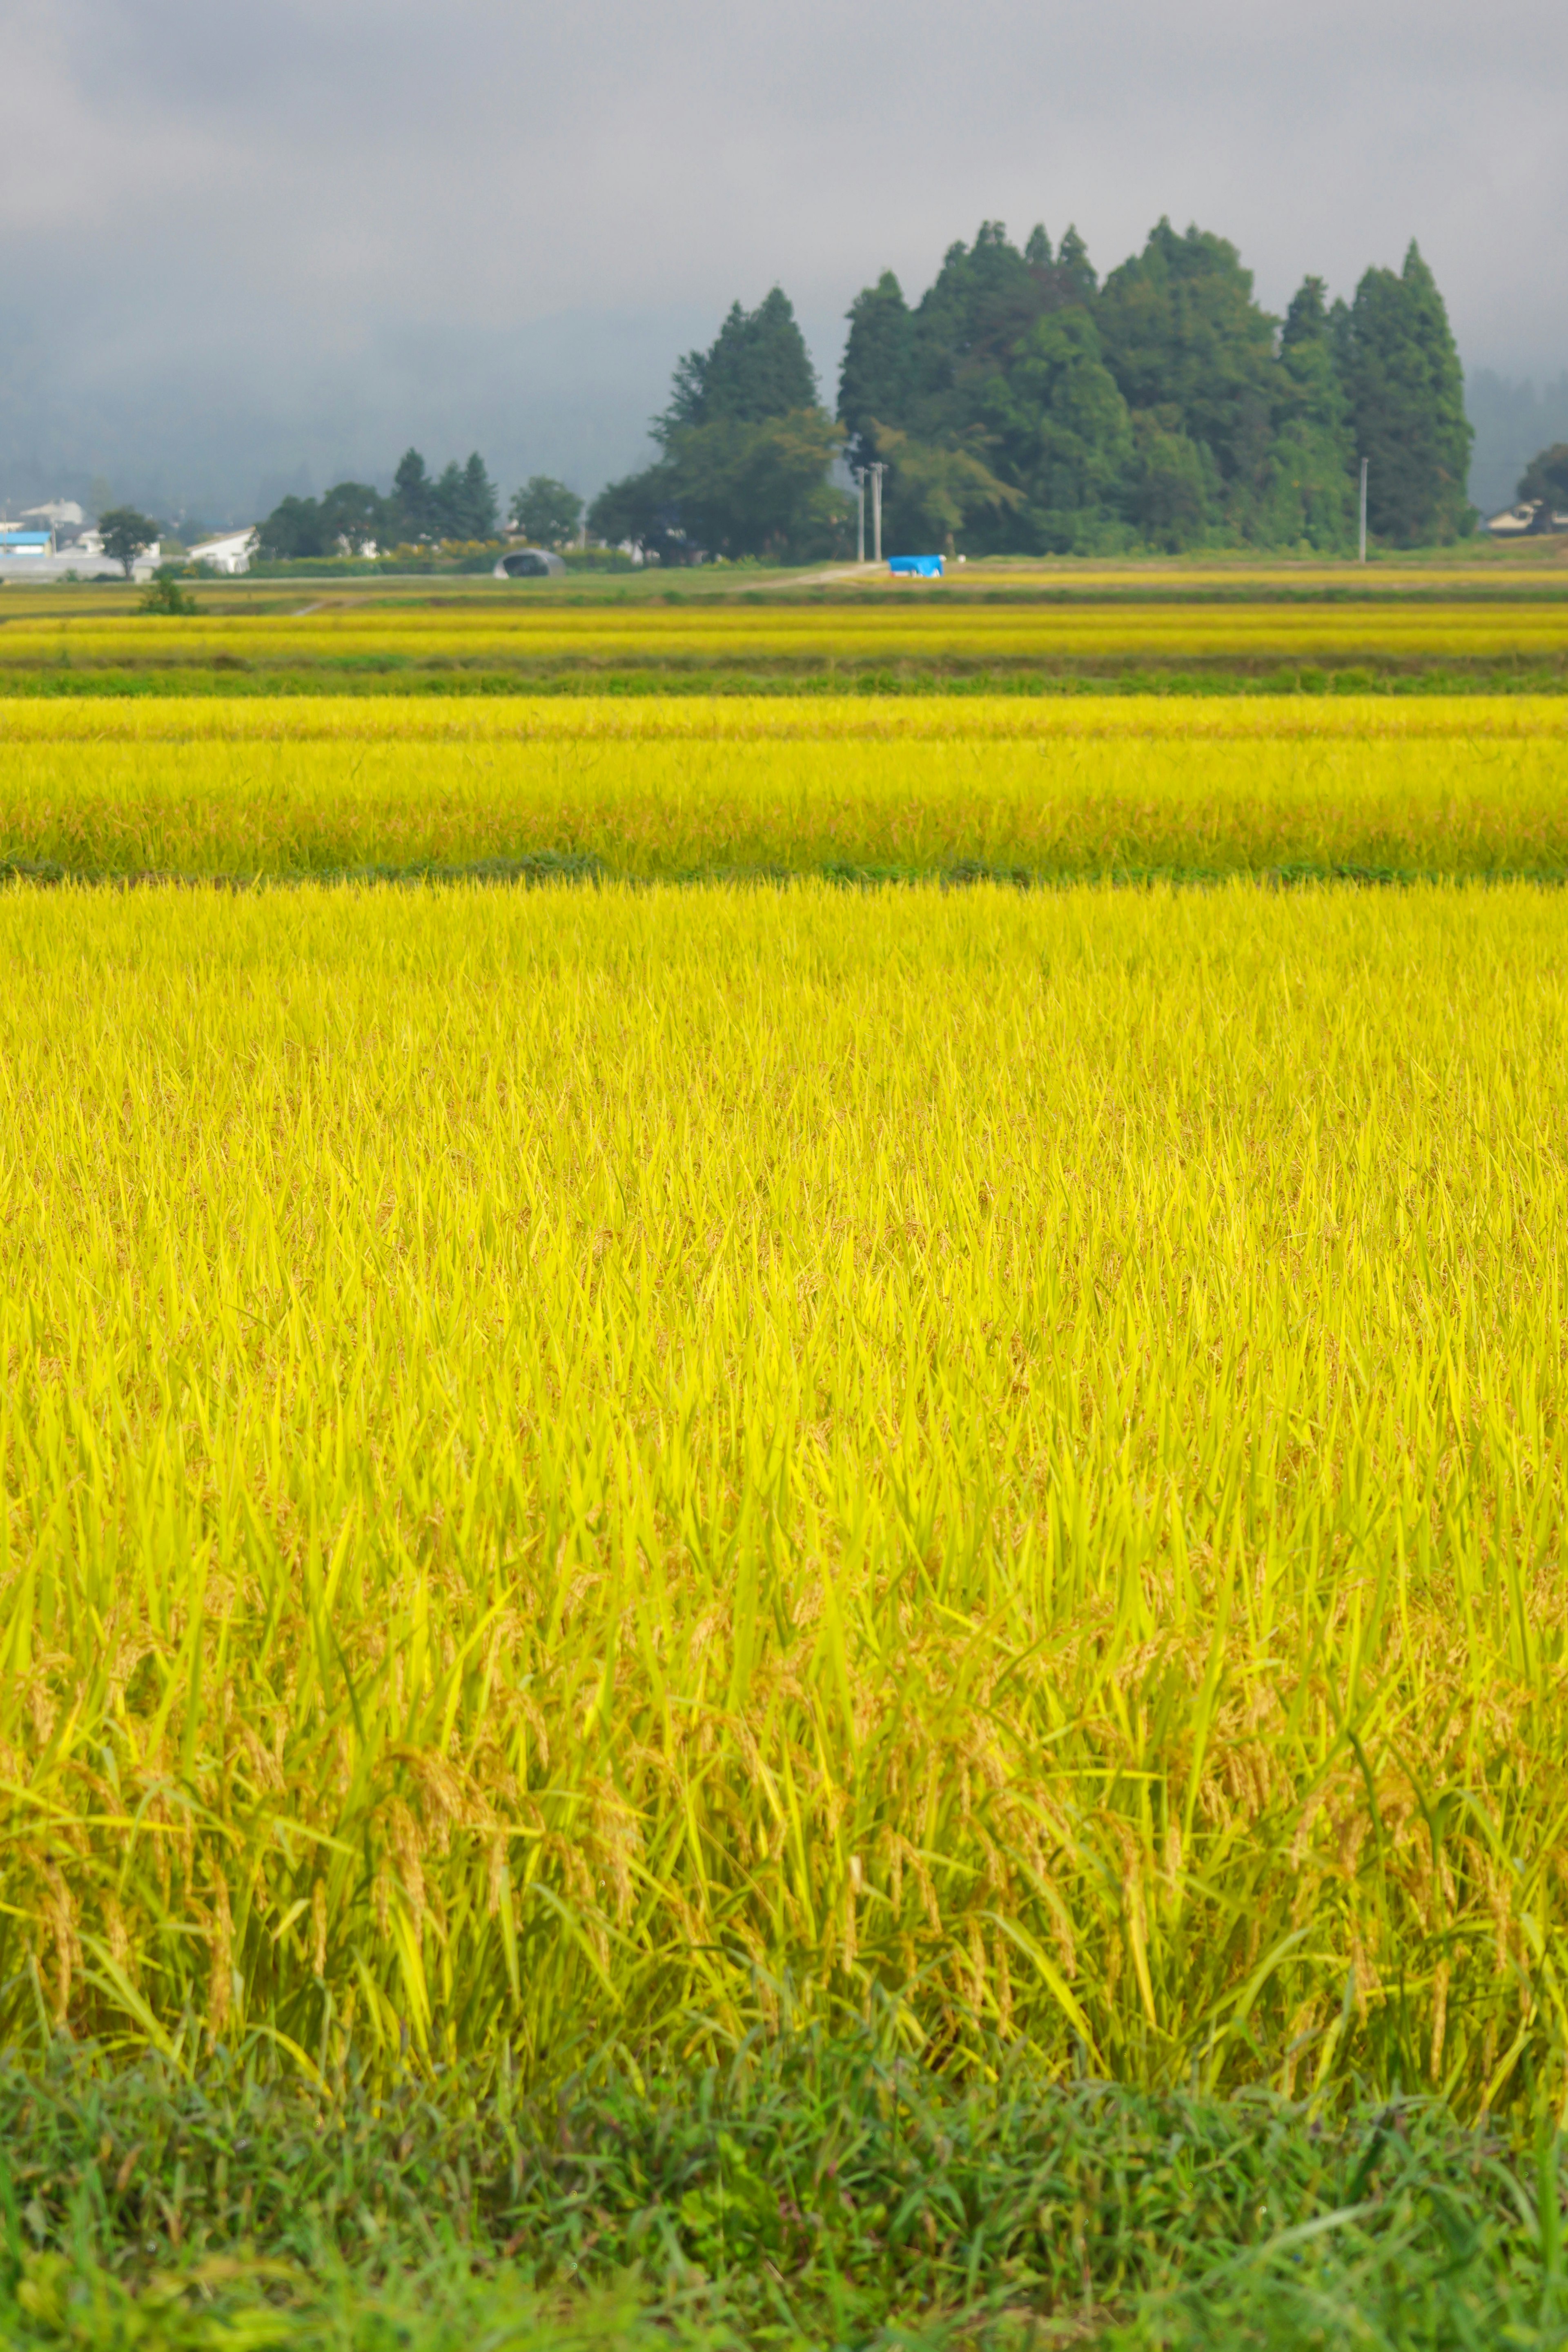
<point x="583" y="868"/>
<point x="812" y="2191"/>
<point x="397" y="675"/>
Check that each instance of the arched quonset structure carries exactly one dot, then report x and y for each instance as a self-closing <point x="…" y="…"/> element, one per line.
<point x="1529" y="519"/>
<point x="529" y="564"/>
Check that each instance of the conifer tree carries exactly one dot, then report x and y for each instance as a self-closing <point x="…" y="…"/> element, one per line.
<point x="1185" y="339"/>
<point x="746" y="452"/>
<point x="1407" y="395"/>
<point x="874" y="381"/>
<point x="758" y="367"/>
<point x="478" y="506"/>
<point x="413" y="496"/>
<point x="1073" y="261"/>
<point x="1309" y="495"/>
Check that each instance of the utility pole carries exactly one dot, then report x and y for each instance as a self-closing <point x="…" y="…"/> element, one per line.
<point x="877" y="473"/>
<point x="1364" y="509"/>
<point x="860" y="526"/>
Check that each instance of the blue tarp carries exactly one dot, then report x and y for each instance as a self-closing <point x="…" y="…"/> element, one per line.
<point x="917" y="567"/>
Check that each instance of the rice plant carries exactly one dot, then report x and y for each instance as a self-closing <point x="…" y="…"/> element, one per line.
<point x="680" y="787"/>
<point x="1180" y="630"/>
<point x="591" y="1469"/>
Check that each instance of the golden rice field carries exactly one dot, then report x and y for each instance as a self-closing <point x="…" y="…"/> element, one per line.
<point x="850" y="631"/>
<point x="615" y="719"/>
<point x="580" y="1463"/>
<point x="647" y="787"/>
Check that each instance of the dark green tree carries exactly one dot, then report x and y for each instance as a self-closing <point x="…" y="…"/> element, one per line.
<point x="1188" y="345"/>
<point x="937" y="490"/>
<point x="413" y="502"/>
<point x="876" y="379"/>
<point x="1072" y="260"/>
<point x="352" y="519"/>
<point x="734" y="489"/>
<point x="1306" y="496"/>
<point x="1175" y="491"/>
<point x="1546" y="477"/>
<point x="294" y="528"/>
<point x="758" y="367"/>
<point x="643" y="510"/>
<point x="1063" y="436"/>
<point x="1307" y="329"/>
<point x="1407" y="398"/>
<point x="982" y="301"/>
<point x="460" y="503"/>
<point x="447" y="501"/>
<point x="745" y="452"/>
<point x="546" y="511"/>
<point x="478" y="506"/>
<point x="924" y="382"/>
<point x="760" y="489"/>
<point x="126" y="534"/>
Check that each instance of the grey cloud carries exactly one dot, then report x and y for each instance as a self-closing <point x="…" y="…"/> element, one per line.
<point x="228" y="233"/>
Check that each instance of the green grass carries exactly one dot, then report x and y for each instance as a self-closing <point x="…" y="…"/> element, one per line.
<point x="800" y="2192"/>
<point x="450" y="681"/>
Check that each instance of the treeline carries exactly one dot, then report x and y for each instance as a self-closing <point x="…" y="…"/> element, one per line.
<point x="1022" y="405"/>
<point x="460" y="505"/>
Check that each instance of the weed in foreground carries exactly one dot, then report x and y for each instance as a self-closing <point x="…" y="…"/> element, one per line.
<point x="804" y="2191"/>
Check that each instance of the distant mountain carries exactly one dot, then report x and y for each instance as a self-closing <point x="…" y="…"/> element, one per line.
<point x="220" y="431"/>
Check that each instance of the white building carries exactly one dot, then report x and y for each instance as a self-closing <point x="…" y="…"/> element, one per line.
<point x="83" y="559"/>
<point x="54" y="542"/>
<point x="231" y="553"/>
<point x="1530" y="520"/>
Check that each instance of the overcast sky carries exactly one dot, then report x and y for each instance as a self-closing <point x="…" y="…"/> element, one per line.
<point x="246" y="246"/>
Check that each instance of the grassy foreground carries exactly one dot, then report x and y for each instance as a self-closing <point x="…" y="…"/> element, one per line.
<point x="678" y="788"/>
<point x="580" y="1467"/>
<point x="803" y="2192"/>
